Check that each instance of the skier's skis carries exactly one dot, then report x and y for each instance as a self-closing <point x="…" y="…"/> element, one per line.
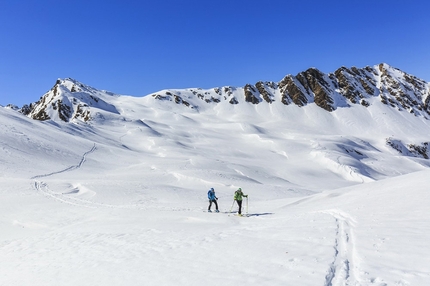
<point x="236" y="214"/>
<point x="242" y="215"/>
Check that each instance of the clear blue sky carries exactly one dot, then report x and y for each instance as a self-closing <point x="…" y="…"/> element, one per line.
<point x="140" y="47"/>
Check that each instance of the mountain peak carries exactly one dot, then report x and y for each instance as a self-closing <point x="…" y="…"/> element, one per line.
<point x="69" y="99"/>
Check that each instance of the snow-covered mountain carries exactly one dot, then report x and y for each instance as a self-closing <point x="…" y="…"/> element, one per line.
<point x="107" y="189"/>
<point x="351" y="92"/>
<point x="69" y="99"/>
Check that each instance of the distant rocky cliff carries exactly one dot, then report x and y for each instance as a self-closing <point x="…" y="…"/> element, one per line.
<point x="329" y="91"/>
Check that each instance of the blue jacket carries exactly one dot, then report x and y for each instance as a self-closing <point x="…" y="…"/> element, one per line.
<point x="211" y="195"/>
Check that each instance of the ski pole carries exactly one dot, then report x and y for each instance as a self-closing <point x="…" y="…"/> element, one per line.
<point x="231" y="209"/>
<point x="246" y="205"/>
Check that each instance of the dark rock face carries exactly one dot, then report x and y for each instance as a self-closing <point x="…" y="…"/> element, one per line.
<point x="251" y="94"/>
<point x="263" y="89"/>
<point x="346" y="87"/>
<point x="177" y="98"/>
<point x="314" y="82"/>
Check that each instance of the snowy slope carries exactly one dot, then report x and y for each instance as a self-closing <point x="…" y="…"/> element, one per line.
<point x="118" y="196"/>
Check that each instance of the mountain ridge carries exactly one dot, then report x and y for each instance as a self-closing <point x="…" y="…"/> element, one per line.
<point x="330" y="91"/>
<point x="70" y="100"/>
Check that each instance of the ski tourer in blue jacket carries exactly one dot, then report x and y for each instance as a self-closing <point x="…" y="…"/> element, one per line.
<point x="212" y="199"/>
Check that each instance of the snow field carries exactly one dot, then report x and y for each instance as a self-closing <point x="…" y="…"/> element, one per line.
<point x="122" y="201"/>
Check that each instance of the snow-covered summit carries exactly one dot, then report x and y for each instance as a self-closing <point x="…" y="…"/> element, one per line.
<point x="69" y="99"/>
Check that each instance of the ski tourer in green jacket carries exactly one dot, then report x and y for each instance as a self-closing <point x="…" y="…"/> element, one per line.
<point x="238" y="198"/>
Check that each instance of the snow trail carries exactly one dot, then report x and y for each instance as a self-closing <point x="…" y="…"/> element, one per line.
<point x="94" y="148"/>
<point x="44" y="189"/>
<point x="342" y="270"/>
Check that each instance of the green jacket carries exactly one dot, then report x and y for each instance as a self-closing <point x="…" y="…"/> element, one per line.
<point x="238" y="195"/>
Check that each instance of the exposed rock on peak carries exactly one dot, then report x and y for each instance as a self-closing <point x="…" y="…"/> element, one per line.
<point x="317" y="86"/>
<point x="67" y="100"/>
<point x="292" y="91"/>
<point x="403" y="91"/>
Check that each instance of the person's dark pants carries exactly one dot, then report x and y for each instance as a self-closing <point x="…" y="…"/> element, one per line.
<point x="210" y="204"/>
<point x="239" y="203"/>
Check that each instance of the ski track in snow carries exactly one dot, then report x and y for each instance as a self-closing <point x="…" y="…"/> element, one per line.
<point x="71" y="168"/>
<point x="44" y="189"/>
<point x="63" y="198"/>
<point x="342" y="269"/>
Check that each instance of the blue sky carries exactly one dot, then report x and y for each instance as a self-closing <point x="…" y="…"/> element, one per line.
<point x="140" y="47"/>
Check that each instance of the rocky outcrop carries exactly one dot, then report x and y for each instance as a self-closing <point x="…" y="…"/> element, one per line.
<point x="291" y="91"/>
<point x="68" y="100"/>
<point x="411" y="149"/>
<point x="403" y="91"/>
<point x="315" y="84"/>
<point x="266" y="90"/>
<point x="356" y="85"/>
<point x="251" y="94"/>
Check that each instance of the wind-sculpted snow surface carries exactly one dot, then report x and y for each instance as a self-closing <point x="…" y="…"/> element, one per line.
<point x="335" y="198"/>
